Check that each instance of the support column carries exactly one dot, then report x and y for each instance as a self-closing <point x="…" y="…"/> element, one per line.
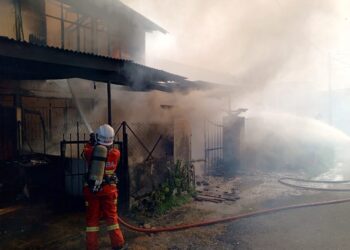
<point x="109" y="100"/>
<point x="18" y="106"/>
<point x="62" y="26"/>
<point x="123" y="174"/>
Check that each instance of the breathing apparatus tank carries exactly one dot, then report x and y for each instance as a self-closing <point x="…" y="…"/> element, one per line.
<point x="98" y="162"/>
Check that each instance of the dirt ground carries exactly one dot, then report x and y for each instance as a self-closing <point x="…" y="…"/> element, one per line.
<point x="36" y="227"/>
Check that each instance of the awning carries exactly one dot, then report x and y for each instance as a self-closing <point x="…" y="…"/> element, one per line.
<point x="26" y="61"/>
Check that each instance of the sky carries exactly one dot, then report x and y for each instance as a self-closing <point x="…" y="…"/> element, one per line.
<point x="257" y="43"/>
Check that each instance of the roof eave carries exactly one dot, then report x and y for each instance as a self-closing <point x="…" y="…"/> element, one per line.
<point x="148" y="24"/>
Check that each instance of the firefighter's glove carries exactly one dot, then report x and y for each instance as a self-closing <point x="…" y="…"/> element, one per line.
<point x="94" y="185"/>
<point x="92" y="139"/>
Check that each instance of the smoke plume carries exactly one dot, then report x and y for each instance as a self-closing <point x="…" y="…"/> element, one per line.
<point x="251" y="41"/>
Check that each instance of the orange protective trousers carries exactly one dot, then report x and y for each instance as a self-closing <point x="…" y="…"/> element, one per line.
<point x="103" y="205"/>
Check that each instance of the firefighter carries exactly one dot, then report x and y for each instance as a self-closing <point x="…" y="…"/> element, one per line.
<point x="100" y="188"/>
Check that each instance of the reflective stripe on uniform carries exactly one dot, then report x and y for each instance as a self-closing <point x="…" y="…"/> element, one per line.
<point x="92" y="229"/>
<point x="112" y="227"/>
<point x="109" y="171"/>
<point x="94" y="177"/>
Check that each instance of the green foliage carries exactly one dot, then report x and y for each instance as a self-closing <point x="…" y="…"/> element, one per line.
<point x="171" y="202"/>
<point x="175" y="191"/>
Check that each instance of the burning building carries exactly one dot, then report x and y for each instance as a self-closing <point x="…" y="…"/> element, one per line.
<point x="99" y="41"/>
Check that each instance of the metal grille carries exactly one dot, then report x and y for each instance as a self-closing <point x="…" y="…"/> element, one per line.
<point x="148" y="141"/>
<point x="8" y="133"/>
<point x="34" y="131"/>
<point x="213" y="137"/>
<point x="75" y="167"/>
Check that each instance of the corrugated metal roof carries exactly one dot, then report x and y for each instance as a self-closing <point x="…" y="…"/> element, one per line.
<point x="24" y="44"/>
<point x="22" y="60"/>
<point x="26" y="61"/>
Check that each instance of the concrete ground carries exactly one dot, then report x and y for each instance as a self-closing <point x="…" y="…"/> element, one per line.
<point x="323" y="227"/>
<point x="326" y="227"/>
<point x="307" y="228"/>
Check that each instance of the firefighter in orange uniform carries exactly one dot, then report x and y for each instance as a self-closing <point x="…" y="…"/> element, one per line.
<point x="100" y="189"/>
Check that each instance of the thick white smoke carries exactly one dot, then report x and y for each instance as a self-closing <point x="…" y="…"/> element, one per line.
<point x="280" y="55"/>
<point x="252" y="41"/>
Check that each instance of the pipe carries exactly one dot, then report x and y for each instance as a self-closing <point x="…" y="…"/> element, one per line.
<point x="240" y="216"/>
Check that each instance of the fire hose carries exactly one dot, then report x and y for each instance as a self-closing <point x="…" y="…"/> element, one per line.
<point x="283" y="181"/>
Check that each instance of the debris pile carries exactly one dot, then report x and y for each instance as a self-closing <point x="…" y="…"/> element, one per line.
<point x="212" y="191"/>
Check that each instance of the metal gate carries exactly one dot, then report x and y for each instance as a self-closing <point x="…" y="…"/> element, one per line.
<point x="71" y="148"/>
<point x="213" y="139"/>
<point x="145" y="149"/>
<point x="223" y="142"/>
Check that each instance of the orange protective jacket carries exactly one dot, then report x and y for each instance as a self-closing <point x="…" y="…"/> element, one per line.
<point x="102" y="204"/>
<point x="113" y="158"/>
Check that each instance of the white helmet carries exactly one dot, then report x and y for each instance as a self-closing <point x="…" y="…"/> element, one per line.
<point x="105" y="135"/>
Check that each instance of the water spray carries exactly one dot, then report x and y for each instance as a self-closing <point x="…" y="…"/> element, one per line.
<point x="77" y="104"/>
